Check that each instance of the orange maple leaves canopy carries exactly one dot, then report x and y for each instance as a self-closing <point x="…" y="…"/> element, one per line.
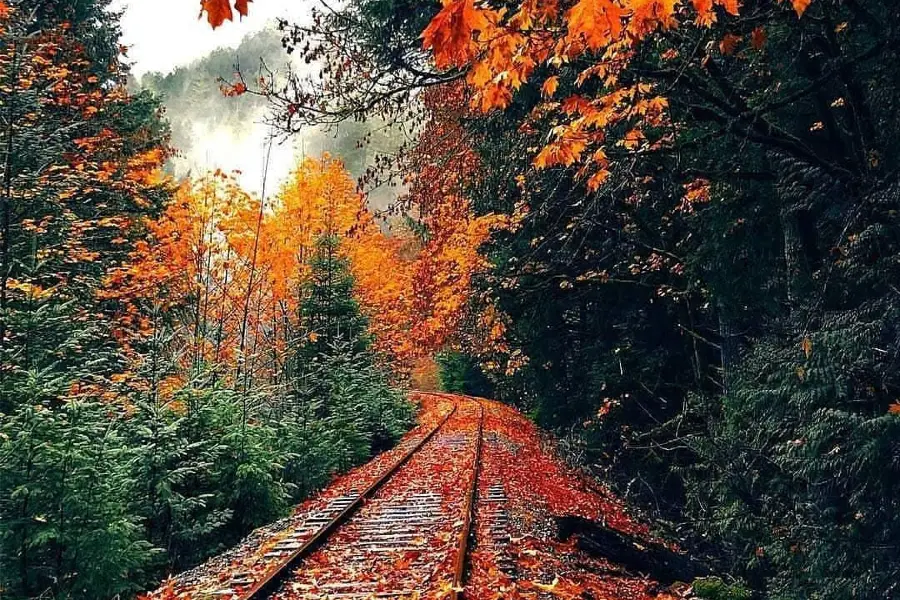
<point x="501" y="49"/>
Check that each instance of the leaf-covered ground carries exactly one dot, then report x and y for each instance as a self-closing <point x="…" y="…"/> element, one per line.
<point x="519" y="557"/>
<point x="538" y="486"/>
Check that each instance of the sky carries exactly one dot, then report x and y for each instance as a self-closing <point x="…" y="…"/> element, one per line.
<point x="163" y="34"/>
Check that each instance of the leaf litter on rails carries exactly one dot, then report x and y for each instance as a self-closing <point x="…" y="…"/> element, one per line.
<point x="537" y="487"/>
<point x="517" y="457"/>
<point x="249" y="557"/>
<point x="403" y="541"/>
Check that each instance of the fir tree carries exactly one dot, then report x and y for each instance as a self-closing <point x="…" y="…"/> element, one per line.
<point x="331" y="315"/>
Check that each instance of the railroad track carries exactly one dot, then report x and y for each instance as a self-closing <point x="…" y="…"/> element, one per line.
<point x="405" y="536"/>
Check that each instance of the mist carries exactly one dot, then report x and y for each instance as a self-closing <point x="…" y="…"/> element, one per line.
<point x="211" y="131"/>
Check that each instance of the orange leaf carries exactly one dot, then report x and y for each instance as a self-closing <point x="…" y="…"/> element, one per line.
<point x="706" y="14"/>
<point x="597" y="179"/>
<point x="648" y="15"/>
<point x="599" y="22"/>
<point x="217" y="11"/>
<point x="800" y="6"/>
<point x="549" y="87"/>
<point x="806" y="344"/>
<point x="894" y="408"/>
<point x="449" y="34"/>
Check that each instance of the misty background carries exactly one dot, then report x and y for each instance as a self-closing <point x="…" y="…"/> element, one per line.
<point x="211" y="131"/>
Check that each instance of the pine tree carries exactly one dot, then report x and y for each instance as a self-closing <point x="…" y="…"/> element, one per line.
<point x="337" y="378"/>
<point x="331" y="315"/>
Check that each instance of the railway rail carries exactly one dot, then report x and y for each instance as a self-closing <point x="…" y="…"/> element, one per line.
<point x="468" y="504"/>
<point x="405" y="536"/>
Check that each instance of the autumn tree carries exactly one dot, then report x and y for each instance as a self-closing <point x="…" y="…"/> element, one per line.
<point x="700" y="153"/>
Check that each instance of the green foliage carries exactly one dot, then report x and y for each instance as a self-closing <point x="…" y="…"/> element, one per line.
<point x="248" y="468"/>
<point x="114" y="470"/>
<point x="461" y="374"/>
<point x="335" y="370"/>
<point x="65" y="487"/>
<point x="714" y="588"/>
<point x="331" y="314"/>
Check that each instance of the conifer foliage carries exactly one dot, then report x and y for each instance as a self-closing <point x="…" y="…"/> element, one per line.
<point x="177" y="365"/>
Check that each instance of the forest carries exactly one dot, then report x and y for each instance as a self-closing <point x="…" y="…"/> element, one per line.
<point x="667" y="231"/>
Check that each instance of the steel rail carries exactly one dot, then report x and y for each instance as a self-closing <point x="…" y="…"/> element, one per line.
<point x="459" y="569"/>
<point x="266" y="585"/>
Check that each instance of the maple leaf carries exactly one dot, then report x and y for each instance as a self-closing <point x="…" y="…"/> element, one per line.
<point x="800" y="6"/>
<point x="598" y="22"/>
<point x="597" y="179"/>
<point x="706" y="14"/>
<point x="449" y="34"/>
<point x="242" y="7"/>
<point x="549" y="86"/>
<point x="647" y="15"/>
<point x="894" y="408"/>
<point x="217" y="11"/>
<point x="632" y="139"/>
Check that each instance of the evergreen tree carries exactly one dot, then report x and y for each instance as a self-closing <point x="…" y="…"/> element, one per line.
<point x="336" y="371"/>
<point x="461" y="374"/>
<point x="331" y="315"/>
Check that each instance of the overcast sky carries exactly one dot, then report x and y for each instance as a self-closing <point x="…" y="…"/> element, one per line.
<point x="163" y="34"/>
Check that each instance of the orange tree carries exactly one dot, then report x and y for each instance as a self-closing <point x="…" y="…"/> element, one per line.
<point x="226" y="273"/>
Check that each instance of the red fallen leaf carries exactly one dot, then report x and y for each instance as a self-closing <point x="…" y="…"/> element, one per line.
<point x="242" y="7"/>
<point x="217" y="11"/>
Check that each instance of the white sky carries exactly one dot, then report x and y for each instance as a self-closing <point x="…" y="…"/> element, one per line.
<point x="163" y="34"/>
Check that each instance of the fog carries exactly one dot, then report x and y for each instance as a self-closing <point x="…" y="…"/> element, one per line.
<point x="211" y="131"/>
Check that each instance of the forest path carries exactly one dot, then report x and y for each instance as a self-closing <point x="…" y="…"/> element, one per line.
<point x="467" y="504"/>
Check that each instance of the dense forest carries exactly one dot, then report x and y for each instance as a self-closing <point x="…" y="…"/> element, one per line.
<point x="668" y="230"/>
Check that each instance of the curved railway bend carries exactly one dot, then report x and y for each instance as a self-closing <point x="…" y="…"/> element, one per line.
<point x="471" y="503"/>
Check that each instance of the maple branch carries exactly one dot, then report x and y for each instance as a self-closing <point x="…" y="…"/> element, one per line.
<point x="744" y="123"/>
<point x="820" y="81"/>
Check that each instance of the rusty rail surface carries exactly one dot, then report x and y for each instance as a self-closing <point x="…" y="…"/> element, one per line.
<point x="459" y="570"/>
<point x="265" y="585"/>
